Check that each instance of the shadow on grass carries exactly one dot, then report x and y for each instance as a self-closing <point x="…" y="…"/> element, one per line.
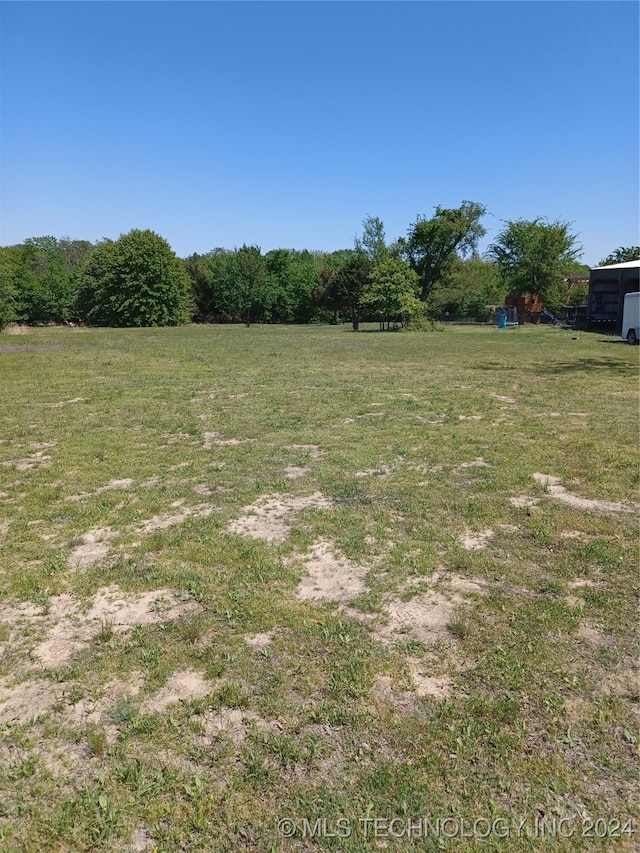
<point x="578" y="365"/>
<point x="586" y="364"/>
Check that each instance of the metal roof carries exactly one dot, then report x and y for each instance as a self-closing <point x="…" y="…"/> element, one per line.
<point x="628" y="265"/>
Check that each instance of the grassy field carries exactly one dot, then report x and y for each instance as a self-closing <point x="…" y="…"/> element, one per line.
<point x="279" y="589"/>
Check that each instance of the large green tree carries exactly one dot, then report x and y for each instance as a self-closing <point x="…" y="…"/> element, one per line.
<point x="392" y="292"/>
<point x="291" y="279"/>
<point x="8" y="292"/>
<point x="534" y="256"/>
<point x="43" y="281"/>
<point x="470" y="287"/>
<point x="342" y="279"/>
<point x="250" y="280"/>
<point x="325" y="294"/>
<point x="432" y="245"/>
<point x="622" y="255"/>
<point x="136" y="280"/>
<point x="373" y="240"/>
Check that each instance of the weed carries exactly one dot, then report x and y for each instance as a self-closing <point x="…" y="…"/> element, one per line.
<point x="122" y="713"/>
<point x="106" y="632"/>
<point x="97" y="741"/>
<point x="231" y="696"/>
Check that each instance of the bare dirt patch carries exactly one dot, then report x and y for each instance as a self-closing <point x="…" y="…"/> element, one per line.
<point x="383" y="471"/>
<point x="313" y="450"/>
<point x="268" y="517"/>
<point x="425" y="617"/>
<point x="39" y="459"/>
<point x="478" y="462"/>
<point x="476" y="541"/>
<point x="436" y="686"/>
<point x="578" y="583"/>
<point x="592" y="635"/>
<point x="234" y="724"/>
<point x="66" y="625"/>
<point x="365" y="415"/>
<point x="212" y="439"/>
<point x="93" y="547"/>
<point x="125" y="483"/>
<point x="65" y="403"/>
<point x="294" y="472"/>
<point x="558" y="492"/>
<point x="93" y="708"/>
<point x="180" y="687"/>
<point x="165" y="520"/>
<point x="113" y="485"/>
<point x="524" y="502"/>
<point x="27" y="700"/>
<point x="330" y="577"/>
<point x="384" y="690"/>
<point x="626" y="685"/>
<point x="260" y="641"/>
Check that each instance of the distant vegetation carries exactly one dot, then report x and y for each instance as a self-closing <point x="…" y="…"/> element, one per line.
<point x="138" y="280"/>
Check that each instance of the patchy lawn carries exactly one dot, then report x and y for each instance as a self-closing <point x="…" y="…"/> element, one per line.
<point x="289" y="588"/>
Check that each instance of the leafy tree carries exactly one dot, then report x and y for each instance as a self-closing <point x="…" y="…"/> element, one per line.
<point x="372" y="243"/>
<point x="74" y="251"/>
<point x="202" y="277"/>
<point x="393" y="291"/>
<point x="432" y="245"/>
<point x="622" y="255"/>
<point x="291" y="279"/>
<point x="470" y="286"/>
<point x="350" y="284"/>
<point x="225" y="300"/>
<point x="136" y="280"/>
<point x="250" y="279"/>
<point x="43" y="281"/>
<point x="341" y="281"/>
<point x="325" y="291"/>
<point x="534" y="257"/>
<point x="7" y="287"/>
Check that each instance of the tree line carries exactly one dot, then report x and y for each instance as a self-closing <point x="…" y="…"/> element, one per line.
<point x="137" y="280"/>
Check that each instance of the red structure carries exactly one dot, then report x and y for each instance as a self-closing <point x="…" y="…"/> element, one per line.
<point x="529" y="307"/>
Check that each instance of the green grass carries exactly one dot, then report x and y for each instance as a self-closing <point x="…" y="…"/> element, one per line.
<point x="418" y="440"/>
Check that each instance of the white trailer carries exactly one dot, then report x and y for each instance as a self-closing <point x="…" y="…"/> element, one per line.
<point x="631" y="318"/>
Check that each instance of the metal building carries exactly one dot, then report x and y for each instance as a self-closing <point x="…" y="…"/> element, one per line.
<point x="607" y="288"/>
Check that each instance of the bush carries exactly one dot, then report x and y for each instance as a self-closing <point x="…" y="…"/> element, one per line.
<point x="134" y="281"/>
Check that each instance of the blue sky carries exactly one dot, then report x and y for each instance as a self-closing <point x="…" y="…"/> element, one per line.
<point x="286" y="124"/>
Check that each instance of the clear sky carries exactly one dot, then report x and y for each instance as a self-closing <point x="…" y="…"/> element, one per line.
<point x="284" y="124"/>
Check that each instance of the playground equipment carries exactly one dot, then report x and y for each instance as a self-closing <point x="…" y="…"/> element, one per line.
<point x="505" y="316"/>
<point x="546" y="313"/>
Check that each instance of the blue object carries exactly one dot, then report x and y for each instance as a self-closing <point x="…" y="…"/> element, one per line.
<point x="502" y="322"/>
